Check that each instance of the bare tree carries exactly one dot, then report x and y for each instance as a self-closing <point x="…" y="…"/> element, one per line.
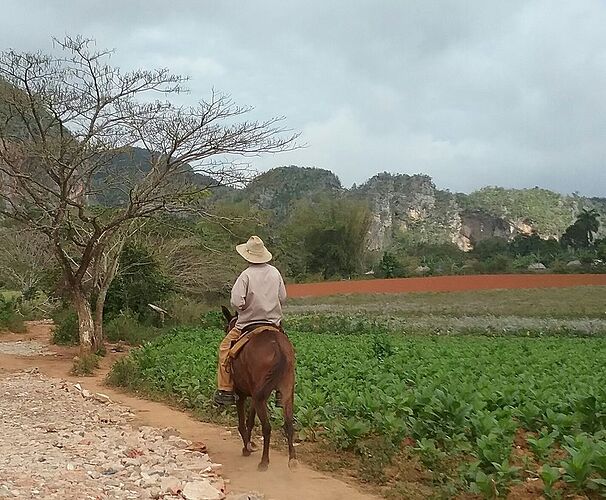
<point x="67" y="123"/>
<point x="23" y="258"/>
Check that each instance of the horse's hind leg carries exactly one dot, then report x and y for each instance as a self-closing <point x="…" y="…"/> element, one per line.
<point x="287" y="405"/>
<point x="241" y="406"/>
<point x="288" y="396"/>
<point x="261" y="408"/>
<point x="250" y="423"/>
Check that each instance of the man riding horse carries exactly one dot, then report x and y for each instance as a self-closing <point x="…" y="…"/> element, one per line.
<point x="257" y="295"/>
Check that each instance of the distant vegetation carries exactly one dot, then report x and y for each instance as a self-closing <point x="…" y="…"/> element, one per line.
<point x="180" y="262"/>
<point x="548" y="212"/>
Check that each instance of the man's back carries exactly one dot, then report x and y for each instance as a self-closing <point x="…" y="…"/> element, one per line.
<point x="258" y="295"/>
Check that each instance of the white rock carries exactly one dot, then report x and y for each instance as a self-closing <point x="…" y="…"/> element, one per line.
<point x="201" y="490"/>
<point x="169" y="432"/>
<point x="170" y="485"/>
<point x="538" y="266"/>
<point x="101" y="398"/>
<point x="55" y="431"/>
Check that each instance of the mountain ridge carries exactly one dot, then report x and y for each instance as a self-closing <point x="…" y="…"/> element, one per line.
<point x="411" y="206"/>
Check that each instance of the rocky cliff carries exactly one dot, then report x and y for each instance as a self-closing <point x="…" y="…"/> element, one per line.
<point x="411" y="207"/>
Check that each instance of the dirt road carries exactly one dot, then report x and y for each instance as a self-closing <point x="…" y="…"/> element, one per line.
<point x="445" y="284"/>
<point x="223" y="444"/>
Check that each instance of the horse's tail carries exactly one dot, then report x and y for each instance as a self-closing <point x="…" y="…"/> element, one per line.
<point x="275" y="373"/>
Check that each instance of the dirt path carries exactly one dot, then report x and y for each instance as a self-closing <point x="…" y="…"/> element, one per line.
<point x="223" y="444"/>
<point x="445" y="284"/>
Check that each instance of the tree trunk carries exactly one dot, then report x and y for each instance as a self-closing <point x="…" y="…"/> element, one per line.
<point x="99" y="305"/>
<point x="86" y="325"/>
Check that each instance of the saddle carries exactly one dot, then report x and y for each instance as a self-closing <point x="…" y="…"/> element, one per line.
<point x="248" y="333"/>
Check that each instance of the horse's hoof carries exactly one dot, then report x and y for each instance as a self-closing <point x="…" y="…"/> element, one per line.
<point x="293" y="464"/>
<point x="262" y="467"/>
<point x="245" y="452"/>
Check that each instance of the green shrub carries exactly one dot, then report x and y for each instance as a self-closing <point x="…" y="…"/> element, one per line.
<point x="485" y="249"/>
<point x="497" y="264"/>
<point x="126" y="327"/>
<point x="212" y="319"/>
<point x="560" y="267"/>
<point x="10" y="317"/>
<point x="140" y="281"/>
<point x="85" y="365"/>
<point x="65" y="331"/>
<point x="390" y="266"/>
<point x="124" y="373"/>
<point x="521" y="263"/>
<point x="184" y="310"/>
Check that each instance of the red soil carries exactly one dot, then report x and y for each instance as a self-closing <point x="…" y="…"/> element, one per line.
<point x="445" y="284"/>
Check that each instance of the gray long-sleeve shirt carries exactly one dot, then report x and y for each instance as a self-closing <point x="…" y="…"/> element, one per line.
<point x="258" y="295"/>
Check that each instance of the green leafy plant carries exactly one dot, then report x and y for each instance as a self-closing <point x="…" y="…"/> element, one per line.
<point x="549" y="475"/>
<point x="578" y="466"/>
<point x="540" y="446"/>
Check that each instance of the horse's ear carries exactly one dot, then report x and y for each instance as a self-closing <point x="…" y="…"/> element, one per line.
<point x="227" y="313"/>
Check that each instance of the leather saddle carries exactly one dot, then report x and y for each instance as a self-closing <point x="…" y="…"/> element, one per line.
<point x="249" y="332"/>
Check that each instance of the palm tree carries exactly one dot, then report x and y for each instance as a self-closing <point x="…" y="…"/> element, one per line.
<point x="580" y="233"/>
<point x="588" y="221"/>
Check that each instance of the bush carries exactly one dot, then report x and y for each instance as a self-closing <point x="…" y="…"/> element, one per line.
<point x="212" y="319"/>
<point x="10" y="318"/>
<point x="388" y="267"/>
<point x="65" y="331"/>
<point x="490" y="247"/>
<point x="497" y="264"/>
<point x="126" y="327"/>
<point x="521" y="263"/>
<point x="124" y="373"/>
<point x="139" y="282"/>
<point x="184" y="311"/>
<point x="561" y="267"/>
<point x="85" y="365"/>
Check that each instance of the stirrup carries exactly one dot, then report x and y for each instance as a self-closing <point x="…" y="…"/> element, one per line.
<point x="224" y="398"/>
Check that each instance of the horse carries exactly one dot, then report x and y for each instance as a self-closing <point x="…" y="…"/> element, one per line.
<point x="265" y="363"/>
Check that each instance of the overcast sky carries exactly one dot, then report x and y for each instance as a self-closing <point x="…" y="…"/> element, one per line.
<point x="471" y="92"/>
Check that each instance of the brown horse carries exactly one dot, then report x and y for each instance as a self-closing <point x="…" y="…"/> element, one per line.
<point x="266" y="363"/>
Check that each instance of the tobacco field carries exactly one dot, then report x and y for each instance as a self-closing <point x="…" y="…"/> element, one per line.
<point x="480" y="413"/>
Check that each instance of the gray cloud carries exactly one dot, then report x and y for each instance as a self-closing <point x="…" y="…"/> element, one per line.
<point x="472" y="92"/>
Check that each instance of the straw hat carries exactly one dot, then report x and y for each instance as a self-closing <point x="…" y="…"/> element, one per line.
<point x="254" y="251"/>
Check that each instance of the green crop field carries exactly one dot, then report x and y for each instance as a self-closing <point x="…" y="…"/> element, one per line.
<point x="479" y="413"/>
